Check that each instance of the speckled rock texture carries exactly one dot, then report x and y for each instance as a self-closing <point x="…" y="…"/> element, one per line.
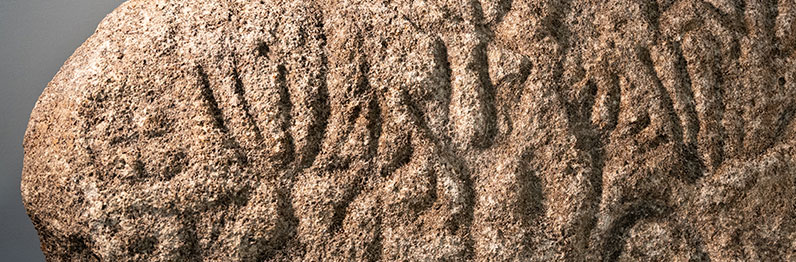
<point x="491" y="130"/>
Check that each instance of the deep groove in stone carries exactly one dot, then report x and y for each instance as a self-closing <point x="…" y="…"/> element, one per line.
<point x="244" y="103"/>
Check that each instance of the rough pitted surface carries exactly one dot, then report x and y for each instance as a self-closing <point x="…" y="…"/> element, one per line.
<point x="400" y="130"/>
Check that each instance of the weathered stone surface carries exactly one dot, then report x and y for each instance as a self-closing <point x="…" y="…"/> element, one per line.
<point x="486" y="130"/>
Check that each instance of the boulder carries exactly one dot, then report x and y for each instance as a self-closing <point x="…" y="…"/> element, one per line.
<point x="438" y="130"/>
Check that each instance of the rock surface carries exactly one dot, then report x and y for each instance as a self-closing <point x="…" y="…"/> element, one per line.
<point x="489" y="130"/>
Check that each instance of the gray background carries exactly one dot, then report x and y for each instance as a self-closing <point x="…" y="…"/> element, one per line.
<point x="36" y="37"/>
